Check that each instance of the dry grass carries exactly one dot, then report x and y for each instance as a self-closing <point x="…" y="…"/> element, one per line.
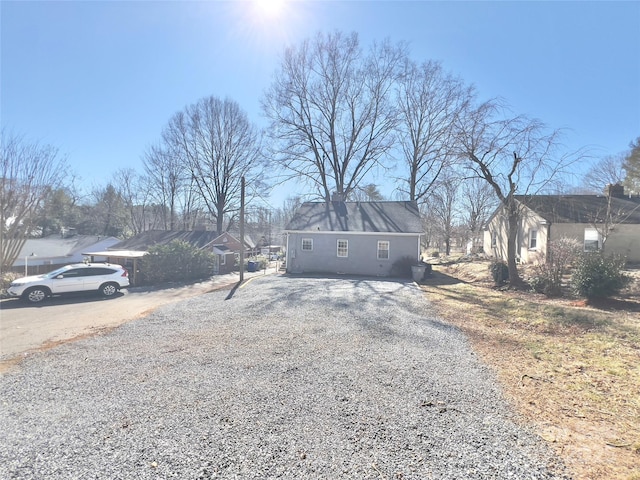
<point x="572" y="371"/>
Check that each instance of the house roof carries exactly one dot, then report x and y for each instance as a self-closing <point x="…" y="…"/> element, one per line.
<point x="391" y="217"/>
<point x="222" y="250"/>
<point x="583" y="208"/>
<point x="58" y="248"/>
<point x="143" y="241"/>
<point x="229" y="239"/>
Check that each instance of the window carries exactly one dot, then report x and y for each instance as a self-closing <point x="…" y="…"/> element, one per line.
<point x="223" y="259"/>
<point x="307" y="244"/>
<point x="494" y="239"/>
<point x="343" y="248"/>
<point x="73" y="273"/>
<point x="591" y="240"/>
<point x="533" y="239"/>
<point x="383" y="250"/>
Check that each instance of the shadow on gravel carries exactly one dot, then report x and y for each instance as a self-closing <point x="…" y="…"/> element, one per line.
<point x="352" y="293"/>
<point x="232" y="292"/>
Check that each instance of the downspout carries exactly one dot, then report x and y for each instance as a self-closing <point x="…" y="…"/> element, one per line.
<point x="287" y="259"/>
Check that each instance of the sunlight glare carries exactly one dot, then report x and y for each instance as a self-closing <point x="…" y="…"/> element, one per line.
<point x="269" y="8"/>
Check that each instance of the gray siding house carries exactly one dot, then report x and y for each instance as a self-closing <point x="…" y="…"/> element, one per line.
<point x="360" y="238"/>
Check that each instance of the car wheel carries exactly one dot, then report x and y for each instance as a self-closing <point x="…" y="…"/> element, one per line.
<point x="35" y="294"/>
<point x="109" y="289"/>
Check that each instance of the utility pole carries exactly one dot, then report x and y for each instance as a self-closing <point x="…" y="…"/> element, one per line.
<point x="242" y="229"/>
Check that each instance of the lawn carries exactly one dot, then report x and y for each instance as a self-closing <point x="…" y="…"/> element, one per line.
<point x="571" y="370"/>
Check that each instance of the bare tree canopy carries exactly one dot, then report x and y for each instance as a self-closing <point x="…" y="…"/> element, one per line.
<point x="28" y="172"/>
<point x="478" y="201"/>
<point x="430" y="101"/>
<point x="219" y="146"/>
<point x="606" y="171"/>
<point x="442" y="202"/>
<point x="331" y="110"/>
<point x="514" y="155"/>
<point x="167" y="174"/>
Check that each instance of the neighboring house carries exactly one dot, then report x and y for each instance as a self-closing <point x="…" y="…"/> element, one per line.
<point x="43" y="255"/>
<point x="129" y="252"/>
<point x="611" y="221"/>
<point x="362" y="238"/>
<point x="226" y="247"/>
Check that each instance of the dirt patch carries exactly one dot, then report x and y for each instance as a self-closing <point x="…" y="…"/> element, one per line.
<point x="571" y="369"/>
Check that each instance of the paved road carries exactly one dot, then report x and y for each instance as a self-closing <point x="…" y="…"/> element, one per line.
<point x="25" y="328"/>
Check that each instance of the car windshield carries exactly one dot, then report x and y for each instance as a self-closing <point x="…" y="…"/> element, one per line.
<point x="57" y="272"/>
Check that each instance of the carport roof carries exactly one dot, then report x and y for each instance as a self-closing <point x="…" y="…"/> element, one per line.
<point x="118" y="253"/>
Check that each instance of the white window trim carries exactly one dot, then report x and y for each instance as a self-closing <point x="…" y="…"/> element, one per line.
<point x="310" y="240"/>
<point x="338" y="248"/>
<point x="531" y="237"/>
<point x="597" y="239"/>
<point x="388" y="249"/>
<point x="223" y="259"/>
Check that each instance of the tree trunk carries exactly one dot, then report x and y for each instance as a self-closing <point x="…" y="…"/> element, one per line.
<point x="512" y="248"/>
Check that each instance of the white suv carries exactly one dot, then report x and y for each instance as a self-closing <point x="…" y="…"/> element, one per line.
<point x="105" y="278"/>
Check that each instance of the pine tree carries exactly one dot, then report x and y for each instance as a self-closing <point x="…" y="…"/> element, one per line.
<point x="632" y="168"/>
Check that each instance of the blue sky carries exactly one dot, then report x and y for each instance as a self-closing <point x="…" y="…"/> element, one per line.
<point x="101" y="79"/>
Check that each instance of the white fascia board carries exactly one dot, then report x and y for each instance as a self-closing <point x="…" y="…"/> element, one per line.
<point x="325" y="232"/>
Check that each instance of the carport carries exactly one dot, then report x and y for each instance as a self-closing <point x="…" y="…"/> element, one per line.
<point x="129" y="259"/>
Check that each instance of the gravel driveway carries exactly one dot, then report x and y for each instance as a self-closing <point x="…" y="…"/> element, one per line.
<point x="289" y="378"/>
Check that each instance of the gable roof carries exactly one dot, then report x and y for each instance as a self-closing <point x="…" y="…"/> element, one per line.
<point x="56" y="249"/>
<point x="56" y="246"/>
<point x="145" y="240"/>
<point x="582" y="208"/>
<point x="390" y="217"/>
<point x="229" y="242"/>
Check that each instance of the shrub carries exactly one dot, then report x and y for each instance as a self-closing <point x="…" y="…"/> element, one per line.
<point x="402" y="267"/>
<point x="597" y="276"/>
<point x="499" y="272"/>
<point x="549" y="272"/>
<point x="5" y="281"/>
<point x="176" y="261"/>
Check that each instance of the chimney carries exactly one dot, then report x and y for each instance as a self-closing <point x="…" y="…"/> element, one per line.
<point x="615" y="191"/>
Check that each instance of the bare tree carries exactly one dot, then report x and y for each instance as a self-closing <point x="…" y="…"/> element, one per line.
<point x="135" y="191"/>
<point x="219" y="145"/>
<point x="430" y="101"/>
<point x="478" y="202"/>
<point x="332" y="118"/>
<point x="166" y="174"/>
<point x="193" y="213"/>
<point x="513" y="155"/>
<point x="442" y="203"/>
<point x="607" y="171"/>
<point x="28" y="172"/>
